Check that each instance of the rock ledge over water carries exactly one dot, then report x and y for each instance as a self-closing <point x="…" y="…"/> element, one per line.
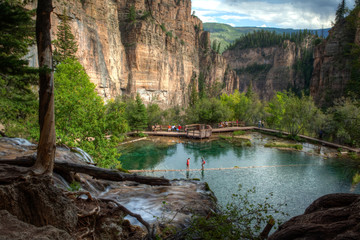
<point x="333" y="216"/>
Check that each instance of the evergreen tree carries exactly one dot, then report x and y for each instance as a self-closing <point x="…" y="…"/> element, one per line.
<point x="65" y="45"/>
<point x="194" y="96"/>
<point x="340" y="12"/>
<point x="17" y="100"/>
<point x="201" y="86"/>
<point x="250" y="91"/>
<point x="218" y="48"/>
<point x="357" y="3"/>
<point x="137" y="114"/>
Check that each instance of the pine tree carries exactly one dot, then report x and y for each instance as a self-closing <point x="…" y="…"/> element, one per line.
<point x="137" y="114"/>
<point x="17" y="100"/>
<point x="340" y="12"/>
<point x="65" y="45"/>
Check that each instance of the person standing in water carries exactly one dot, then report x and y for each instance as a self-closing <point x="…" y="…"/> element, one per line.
<point x="202" y="163"/>
<point x="188" y="163"/>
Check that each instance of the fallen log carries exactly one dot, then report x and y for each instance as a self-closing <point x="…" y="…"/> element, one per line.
<point x="96" y="172"/>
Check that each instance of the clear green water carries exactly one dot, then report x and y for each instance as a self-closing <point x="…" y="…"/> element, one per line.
<point x="270" y="170"/>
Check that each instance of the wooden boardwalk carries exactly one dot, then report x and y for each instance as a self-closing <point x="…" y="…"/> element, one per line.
<point x="265" y="130"/>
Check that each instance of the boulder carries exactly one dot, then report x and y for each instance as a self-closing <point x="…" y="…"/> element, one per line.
<point x="12" y="228"/>
<point x="333" y="216"/>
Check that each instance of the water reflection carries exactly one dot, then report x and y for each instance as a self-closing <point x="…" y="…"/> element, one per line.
<point x="145" y="154"/>
<point x="297" y="178"/>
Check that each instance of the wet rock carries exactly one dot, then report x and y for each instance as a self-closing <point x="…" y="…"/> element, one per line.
<point x="37" y="201"/>
<point x="333" y="216"/>
<point x="12" y="228"/>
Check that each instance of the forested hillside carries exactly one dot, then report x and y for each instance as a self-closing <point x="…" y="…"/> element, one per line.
<point x="226" y="34"/>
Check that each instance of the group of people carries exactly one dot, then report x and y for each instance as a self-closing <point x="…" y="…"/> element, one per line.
<point x="227" y="124"/>
<point x="202" y="163"/>
<point x="261" y="123"/>
<point x="174" y="128"/>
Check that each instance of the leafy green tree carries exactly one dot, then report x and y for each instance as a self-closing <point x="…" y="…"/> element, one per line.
<point x="65" y="45"/>
<point x="275" y="110"/>
<point x="116" y="123"/>
<point x="244" y="108"/>
<point x="300" y="114"/>
<point x="137" y="114"/>
<point x="292" y="113"/>
<point x="357" y="3"/>
<point x="344" y="121"/>
<point x="208" y="111"/>
<point x="18" y="102"/>
<point x="155" y="115"/>
<point x="81" y="115"/>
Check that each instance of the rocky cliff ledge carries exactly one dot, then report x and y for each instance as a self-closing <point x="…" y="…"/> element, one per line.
<point x="269" y="69"/>
<point x="150" y="47"/>
<point x="333" y="60"/>
<point x="333" y="216"/>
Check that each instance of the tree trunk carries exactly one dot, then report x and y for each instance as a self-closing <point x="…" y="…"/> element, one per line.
<point x="96" y="172"/>
<point x="46" y="149"/>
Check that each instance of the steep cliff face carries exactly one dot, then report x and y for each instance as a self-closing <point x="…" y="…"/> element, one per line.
<point x="150" y="47"/>
<point x="270" y="69"/>
<point x="333" y="62"/>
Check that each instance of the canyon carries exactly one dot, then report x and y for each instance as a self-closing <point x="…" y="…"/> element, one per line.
<point x="158" y="49"/>
<point x="154" y="48"/>
<point x="322" y="68"/>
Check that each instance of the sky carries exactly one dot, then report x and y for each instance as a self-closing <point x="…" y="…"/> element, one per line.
<point x="297" y="14"/>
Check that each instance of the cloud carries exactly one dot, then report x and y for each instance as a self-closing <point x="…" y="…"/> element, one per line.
<point x="290" y="14"/>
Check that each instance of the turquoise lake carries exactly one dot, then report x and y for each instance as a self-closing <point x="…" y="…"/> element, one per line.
<point x="296" y="178"/>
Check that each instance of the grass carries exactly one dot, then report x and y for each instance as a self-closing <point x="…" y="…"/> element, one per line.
<point x="225" y="137"/>
<point x="237" y="133"/>
<point x="284" y="145"/>
<point x="356" y="179"/>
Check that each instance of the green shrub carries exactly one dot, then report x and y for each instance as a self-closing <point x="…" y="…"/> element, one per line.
<point x="284" y="145"/>
<point x="169" y="34"/>
<point x="240" y="219"/>
<point x="237" y="133"/>
<point x="74" y="186"/>
<point x="356" y="179"/>
<point x="163" y="28"/>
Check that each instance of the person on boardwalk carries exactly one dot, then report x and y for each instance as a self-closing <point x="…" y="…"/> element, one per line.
<point x="188" y="163"/>
<point x="202" y="163"/>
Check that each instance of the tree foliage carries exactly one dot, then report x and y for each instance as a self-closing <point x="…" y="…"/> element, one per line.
<point x="264" y="38"/>
<point x="344" y="121"/>
<point x="208" y="111"/>
<point x="82" y="118"/>
<point x="244" y="106"/>
<point x="240" y="219"/>
<point x="136" y="114"/>
<point x="18" y="101"/>
<point x="340" y="12"/>
<point x="292" y="113"/>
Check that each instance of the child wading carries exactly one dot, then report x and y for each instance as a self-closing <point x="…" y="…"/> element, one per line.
<point x="202" y="163"/>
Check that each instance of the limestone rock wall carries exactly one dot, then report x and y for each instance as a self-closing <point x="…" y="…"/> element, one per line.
<point x="268" y="69"/>
<point x="332" y="64"/>
<point x="156" y="54"/>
